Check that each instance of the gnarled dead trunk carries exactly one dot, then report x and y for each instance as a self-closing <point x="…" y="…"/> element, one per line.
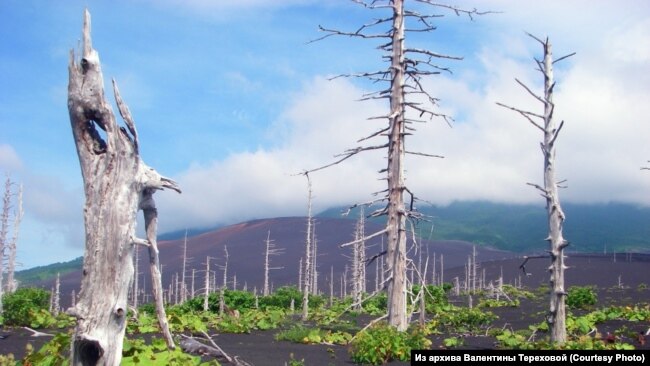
<point x="117" y="183"/>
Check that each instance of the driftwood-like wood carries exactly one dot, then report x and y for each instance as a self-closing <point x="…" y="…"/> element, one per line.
<point x="117" y="183"/>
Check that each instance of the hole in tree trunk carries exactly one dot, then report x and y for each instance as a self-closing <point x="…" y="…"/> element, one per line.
<point x="89" y="352"/>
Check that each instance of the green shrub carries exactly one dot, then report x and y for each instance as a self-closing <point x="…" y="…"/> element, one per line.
<point x="581" y="297"/>
<point x="382" y="343"/>
<point x="376" y="305"/>
<point x="53" y="352"/>
<point x="282" y="297"/>
<point x="461" y="320"/>
<point x="25" y="305"/>
<point x="301" y="334"/>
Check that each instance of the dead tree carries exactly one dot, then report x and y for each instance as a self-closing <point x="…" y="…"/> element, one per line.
<point x="12" y="284"/>
<point x="307" y="271"/>
<point x="270" y="250"/>
<point x="403" y="80"/>
<point x="359" y="262"/>
<point x="557" y="312"/>
<point x="4" y="229"/>
<point x="56" y="302"/>
<point x="136" y="276"/>
<point x="314" y="259"/>
<point x="183" y="281"/>
<point x="117" y="183"/>
<point x="192" y="285"/>
<point x="206" y="292"/>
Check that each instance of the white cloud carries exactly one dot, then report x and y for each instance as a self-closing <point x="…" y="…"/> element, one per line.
<point x="227" y="9"/>
<point x="321" y="122"/>
<point x="490" y="153"/>
<point x="9" y="159"/>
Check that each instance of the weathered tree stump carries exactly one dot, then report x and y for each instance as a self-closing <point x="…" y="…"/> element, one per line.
<point x="117" y="183"/>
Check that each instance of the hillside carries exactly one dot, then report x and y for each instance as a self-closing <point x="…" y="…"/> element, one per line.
<point x="522" y="228"/>
<point x="245" y="243"/>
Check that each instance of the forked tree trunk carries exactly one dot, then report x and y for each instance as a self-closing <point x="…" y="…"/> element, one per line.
<point x="117" y="183"/>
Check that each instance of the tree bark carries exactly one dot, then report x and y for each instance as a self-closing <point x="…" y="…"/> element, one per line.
<point x="556" y="318"/>
<point x="12" y="284"/>
<point x="557" y="308"/>
<point x="307" y="271"/>
<point x="117" y="183"/>
<point x="396" y="211"/>
<point x="4" y="229"/>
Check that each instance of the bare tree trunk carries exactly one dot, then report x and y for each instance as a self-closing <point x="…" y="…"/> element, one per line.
<point x="307" y="271"/>
<point x="331" y="286"/>
<point x="13" y="244"/>
<point x="148" y="207"/>
<point x="56" y="303"/>
<point x="117" y="183"/>
<point x="300" y="273"/>
<point x="206" y="293"/>
<point x="271" y="250"/>
<point x="382" y="270"/>
<point x="356" y="272"/>
<point x="402" y="70"/>
<point x="136" y="276"/>
<point x="473" y="268"/>
<point x="557" y="310"/>
<point x="314" y="265"/>
<point x="433" y="270"/>
<point x="183" y="282"/>
<point x="396" y="211"/>
<point x="4" y="229"/>
<point x="442" y="270"/>
<point x="225" y="267"/>
<point x="176" y="288"/>
<point x="265" y="291"/>
<point x="193" y="273"/>
<point x="222" y="303"/>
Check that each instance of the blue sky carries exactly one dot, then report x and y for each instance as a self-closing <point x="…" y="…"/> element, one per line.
<point x="230" y="101"/>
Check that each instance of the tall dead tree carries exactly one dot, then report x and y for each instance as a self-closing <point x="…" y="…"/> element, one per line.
<point x="183" y="281"/>
<point x="56" y="302"/>
<point x="557" y="311"/>
<point x="4" y="230"/>
<point x="359" y="262"/>
<point x="403" y="77"/>
<point x="206" y="292"/>
<point x="314" y="259"/>
<point x="270" y="250"/>
<point x="117" y="183"/>
<point x="136" y="277"/>
<point x="307" y="271"/>
<point x="12" y="284"/>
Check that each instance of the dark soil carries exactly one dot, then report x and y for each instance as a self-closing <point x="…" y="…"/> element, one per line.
<point x="261" y="348"/>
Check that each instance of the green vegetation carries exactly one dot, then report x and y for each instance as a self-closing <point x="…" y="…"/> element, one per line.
<point x="23" y="307"/>
<point x="620" y="227"/>
<point x="382" y="343"/>
<point x="338" y="325"/>
<point x="302" y="334"/>
<point x="581" y="297"/>
<point x="30" y="276"/>
<point x="52" y="353"/>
